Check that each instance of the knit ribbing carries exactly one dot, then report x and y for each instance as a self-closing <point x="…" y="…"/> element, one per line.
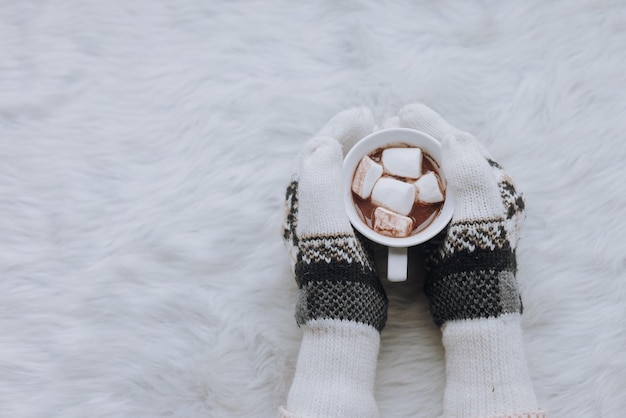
<point x="486" y="368"/>
<point x="335" y="371"/>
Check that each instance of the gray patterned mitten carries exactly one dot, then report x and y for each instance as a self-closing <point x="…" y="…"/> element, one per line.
<point x="472" y="270"/>
<point x="341" y="305"/>
<point x="471" y="281"/>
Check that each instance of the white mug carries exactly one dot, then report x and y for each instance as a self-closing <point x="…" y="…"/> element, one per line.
<point x="397" y="262"/>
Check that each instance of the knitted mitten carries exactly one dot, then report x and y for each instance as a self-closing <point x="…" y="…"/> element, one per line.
<point x="471" y="280"/>
<point x="341" y="305"/>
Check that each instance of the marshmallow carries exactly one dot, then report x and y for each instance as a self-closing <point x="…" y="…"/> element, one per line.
<point x="394" y="195"/>
<point x="391" y="224"/>
<point x="428" y="190"/>
<point x="403" y="162"/>
<point x="367" y="174"/>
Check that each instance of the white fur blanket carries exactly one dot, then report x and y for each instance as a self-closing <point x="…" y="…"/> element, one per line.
<point x="144" y="150"/>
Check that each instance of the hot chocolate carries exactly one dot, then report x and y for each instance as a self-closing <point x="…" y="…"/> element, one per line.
<point x="397" y="190"/>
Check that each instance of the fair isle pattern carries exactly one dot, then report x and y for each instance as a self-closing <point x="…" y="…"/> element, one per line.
<point x="330" y="248"/>
<point x="472" y="273"/>
<point x="492" y="293"/>
<point x="344" y="300"/>
<point x="290" y="222"/>
<point x="513" y="201"/>
<point x="514" y="206"/>
<point x="337" y="281"/>
<point x="474" y="234"/>
<point x="335" y="274"/>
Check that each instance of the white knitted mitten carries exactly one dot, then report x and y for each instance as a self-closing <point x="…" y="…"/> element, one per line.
<point x="341" y="304"/>
<point x="471" y="281"/>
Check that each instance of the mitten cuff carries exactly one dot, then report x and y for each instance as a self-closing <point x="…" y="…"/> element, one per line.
<point x="486" y="372"/>
<point x="335" y="371"/>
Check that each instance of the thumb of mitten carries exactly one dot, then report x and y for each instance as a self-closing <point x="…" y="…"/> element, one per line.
<point x="470" y="177"/>
<point x="321" y="205"/>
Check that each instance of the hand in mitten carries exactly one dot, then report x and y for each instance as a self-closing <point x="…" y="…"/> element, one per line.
<point x="341" y="304"/>
<point x="471" y="283"/>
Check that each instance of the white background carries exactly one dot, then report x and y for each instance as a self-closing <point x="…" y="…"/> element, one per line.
<point x="144" y="151"/>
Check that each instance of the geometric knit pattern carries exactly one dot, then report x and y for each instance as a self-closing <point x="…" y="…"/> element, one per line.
<point x="472" y="294"/>
<point x="290" y="221"/>
<point x="475" y="234"/>
<point x="327" y="293"/>
<point x="334" y="272"/>
<point x="341" y="247"/>
<point x="513" y="202"/>
<point x="472" y="264"/>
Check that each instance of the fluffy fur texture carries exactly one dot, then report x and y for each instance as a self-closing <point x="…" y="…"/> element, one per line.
<point x="144" y="153"/>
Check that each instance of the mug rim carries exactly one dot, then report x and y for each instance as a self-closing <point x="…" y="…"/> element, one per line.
<point x="387" y="137"/>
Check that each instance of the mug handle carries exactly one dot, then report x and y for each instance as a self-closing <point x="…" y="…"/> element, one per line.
<point x="397" y="264"/>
